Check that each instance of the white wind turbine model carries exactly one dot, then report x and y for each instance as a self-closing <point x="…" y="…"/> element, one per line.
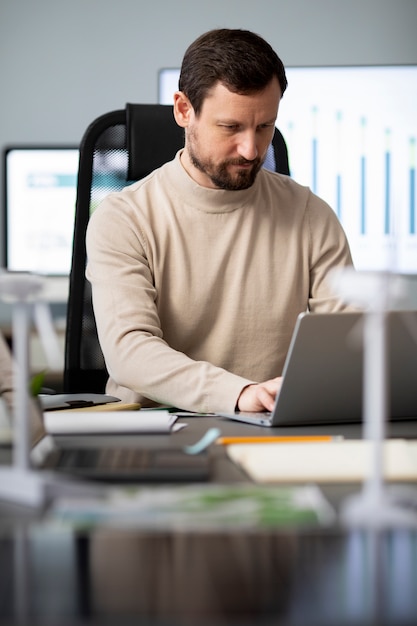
<point x="20" y="482"/>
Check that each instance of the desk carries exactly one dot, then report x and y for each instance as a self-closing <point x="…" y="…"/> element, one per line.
<point x="284" y="576"/>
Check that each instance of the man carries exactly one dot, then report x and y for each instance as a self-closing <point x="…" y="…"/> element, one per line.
<point x="200" y="270"/>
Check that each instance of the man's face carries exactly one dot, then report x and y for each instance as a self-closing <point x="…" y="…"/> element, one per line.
<point x="226" y="144"/>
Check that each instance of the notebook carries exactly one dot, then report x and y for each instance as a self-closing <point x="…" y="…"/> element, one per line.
<point x="322" y="375"/>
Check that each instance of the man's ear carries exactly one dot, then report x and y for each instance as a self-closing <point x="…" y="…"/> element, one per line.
<point x="182" y="109"/>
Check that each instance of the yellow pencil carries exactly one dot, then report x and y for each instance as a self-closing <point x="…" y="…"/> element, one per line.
<point x="224" y="441"/>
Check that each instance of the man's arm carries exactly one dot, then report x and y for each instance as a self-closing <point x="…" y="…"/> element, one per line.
<point x="139" y="359"/>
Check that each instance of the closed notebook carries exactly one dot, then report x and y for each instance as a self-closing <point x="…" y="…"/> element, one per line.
<point x="103" y="422"/>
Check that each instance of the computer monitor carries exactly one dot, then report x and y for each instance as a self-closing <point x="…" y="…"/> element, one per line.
<point x="40" y="185"/>
<point x="351" y="133"/>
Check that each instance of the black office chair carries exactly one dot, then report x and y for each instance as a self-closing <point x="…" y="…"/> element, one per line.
<point x="118" y="148"/>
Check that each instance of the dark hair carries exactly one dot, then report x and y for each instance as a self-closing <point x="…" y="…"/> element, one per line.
<point x="241" y="60"/>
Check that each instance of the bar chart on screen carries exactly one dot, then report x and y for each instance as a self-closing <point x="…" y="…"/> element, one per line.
<point x="351" y="134"/>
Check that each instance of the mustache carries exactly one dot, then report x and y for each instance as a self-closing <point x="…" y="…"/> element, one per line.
<point x="243" y="161"/>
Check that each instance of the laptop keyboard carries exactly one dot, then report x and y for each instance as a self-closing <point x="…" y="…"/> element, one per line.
<point x="130" y="464"/>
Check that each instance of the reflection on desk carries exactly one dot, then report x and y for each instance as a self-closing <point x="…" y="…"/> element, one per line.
<point x="236" y="576"/>
<point x="175" y="578"/>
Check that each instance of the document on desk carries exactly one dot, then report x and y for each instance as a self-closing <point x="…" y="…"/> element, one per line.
<point x="333" y="462"/>
<point x="109" y="422"/>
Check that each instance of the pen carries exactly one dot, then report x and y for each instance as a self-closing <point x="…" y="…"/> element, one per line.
<point x="224" y="441"/>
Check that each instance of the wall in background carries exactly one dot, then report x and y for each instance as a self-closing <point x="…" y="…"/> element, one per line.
<point x="63" y="63"/>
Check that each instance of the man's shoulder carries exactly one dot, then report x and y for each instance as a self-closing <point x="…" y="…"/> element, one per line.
<point x="135" y="202"/>
<point x="283" y="187"/>
<point x="282" y="181"/>
<point x="156" y="177"/>
<point x="293" y="197"/>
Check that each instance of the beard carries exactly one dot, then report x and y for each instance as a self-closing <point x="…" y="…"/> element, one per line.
<point x="219" y="173"/>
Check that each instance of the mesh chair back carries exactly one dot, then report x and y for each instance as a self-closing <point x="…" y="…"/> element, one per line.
<point x="102" y="168"/>
<point x="117" y="149"/>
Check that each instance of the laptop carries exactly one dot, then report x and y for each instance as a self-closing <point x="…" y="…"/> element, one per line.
<point x="136" y="461"/>
<point x="110" y="458"/>
<point x="322" y="375"/>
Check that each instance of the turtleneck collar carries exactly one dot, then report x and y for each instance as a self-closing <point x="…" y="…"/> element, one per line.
<point x="203" y="198"/>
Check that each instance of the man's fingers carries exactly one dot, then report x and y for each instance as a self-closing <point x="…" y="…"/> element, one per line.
<point x="266" y="397"/>
<point x="261" y="396"/>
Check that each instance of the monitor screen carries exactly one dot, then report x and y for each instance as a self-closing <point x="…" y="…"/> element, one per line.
<point x="351" y="134"/>
<point x="40" y="194"/>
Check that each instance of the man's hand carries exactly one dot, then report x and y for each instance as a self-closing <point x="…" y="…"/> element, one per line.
<point x="259" y="397"/>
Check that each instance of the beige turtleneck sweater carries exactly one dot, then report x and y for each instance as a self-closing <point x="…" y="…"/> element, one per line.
<point x="196" y="291"/>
